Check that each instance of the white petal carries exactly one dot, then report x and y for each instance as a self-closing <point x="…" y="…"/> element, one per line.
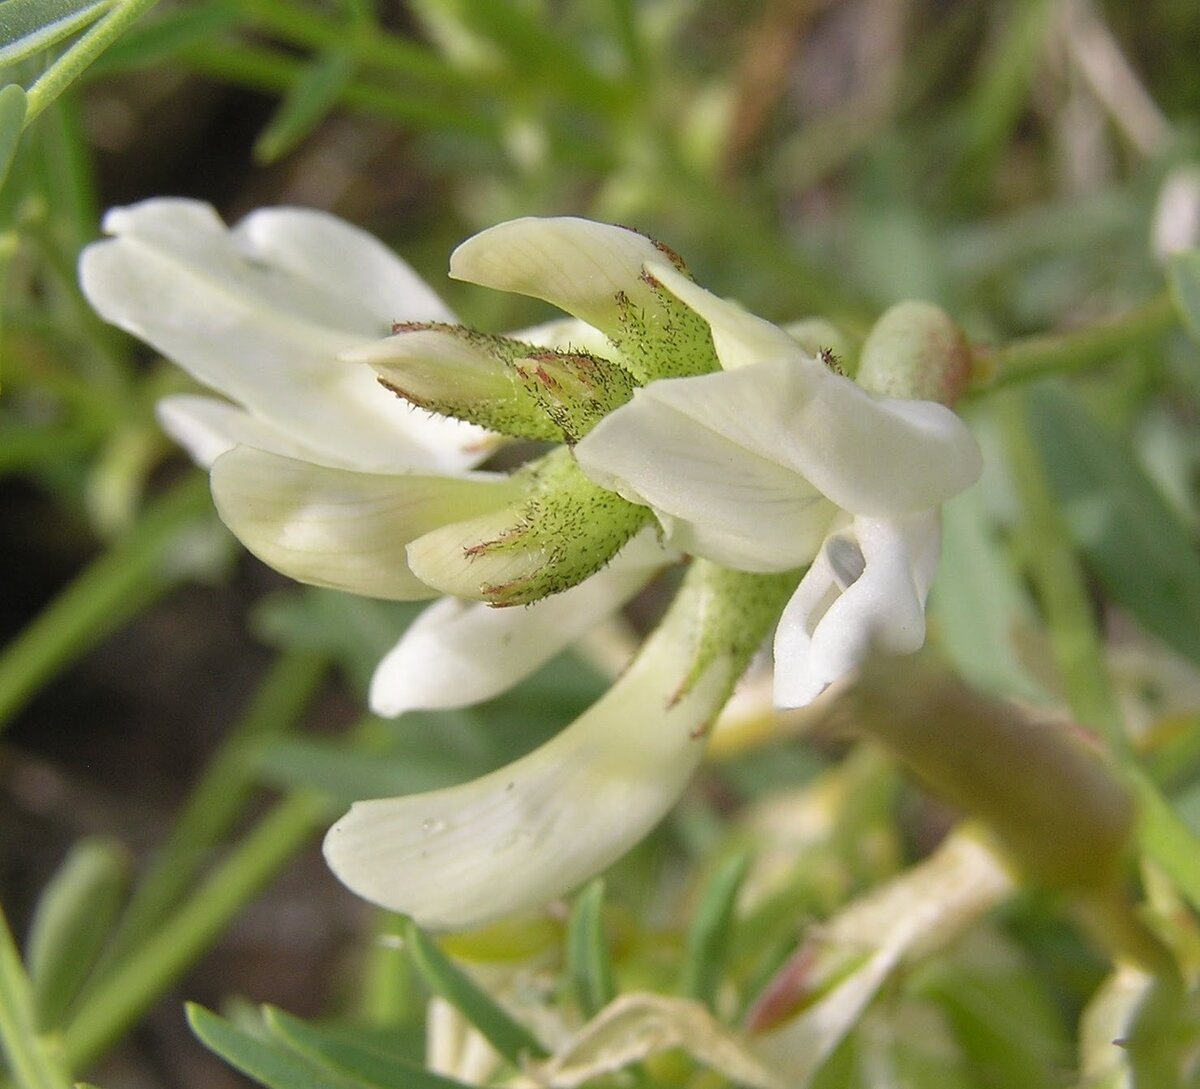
<point x="542" y="825"/>
<point x="340" y="528"/>
<point x="576" y="264"/>
<point x="207" y="427"/>
<point x="743" y="452"/>
<point x="256" y="314"/>
<point x="458" y="653"/>
<point x="740" y="338"/>
<point x="825" y="631"/>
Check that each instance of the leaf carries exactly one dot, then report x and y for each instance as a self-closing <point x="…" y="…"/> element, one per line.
<point x="267" y="1062"/>
<point x="589" y="966"/>
<point x="515" y="1042"/>
<point x="1166" y="839"/>
<point x="29" y="26"/>
<point x="637" y="1026"/>
<point x="170" y="31"/>
<point x="12" y="118"/>
<point x="979" y="605"/>
<point x="340" y="1055"/>
<point x="1127" y="534"/>
<point x="1183" y="275"/>
<point x="72" y="919"/>
<point x="708" y="937"/>
<point x="309" y="98"/>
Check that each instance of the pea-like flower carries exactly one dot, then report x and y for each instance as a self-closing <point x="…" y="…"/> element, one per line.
<point x="669" y="405"/>
<point x="320" y="471"/>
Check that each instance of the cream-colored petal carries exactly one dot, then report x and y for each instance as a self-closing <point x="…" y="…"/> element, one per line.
<point x="740" y="338"/>
<point x="766" y="438"/>
<point x="838" y="616"/>
<point x="339" y="528"/>
<point x="207" y="427"/>
<point x="540" y="826"/>
<point x="458" y="653"/>
<point x="254" y="313"/>
<point x="578" y="265"/>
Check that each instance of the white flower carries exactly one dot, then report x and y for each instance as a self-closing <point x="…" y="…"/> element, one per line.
<point x="776" y="462"/>
<point x="319" y="471"/>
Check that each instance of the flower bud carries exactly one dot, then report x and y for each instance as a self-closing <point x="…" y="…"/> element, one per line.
<point x="564" y="529"/>
<point x="458" y="372"/>
<point x="915" y="352"/>
<point x="574" y="389"/>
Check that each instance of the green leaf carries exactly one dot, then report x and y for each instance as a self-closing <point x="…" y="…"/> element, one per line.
<point x="266" y="1061"/>
<point x="343" y="1056"/>
<point x="171" y="30"/>
<point x="12" y="118"/>
<point x="978" y="603"/>
<point x="72" y="919"/>
<point x="29" y="26"/>
<point x="1183" y="274"/>
<point x="308" y="100"/>
<point x="708" y="938"/>
<point x="589" y="966"/>
<point x="1127" y="534"/>
<point x="1166" y="839"/>
<point x="442" y="976"/>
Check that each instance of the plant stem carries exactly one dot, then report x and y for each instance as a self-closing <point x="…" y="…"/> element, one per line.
<point x="109" y="591"/>
<point x="29" y="1060"/>
<point x="64" y="71"/>
<point x="1060" y="353"/>
<point x="156" y="964"/>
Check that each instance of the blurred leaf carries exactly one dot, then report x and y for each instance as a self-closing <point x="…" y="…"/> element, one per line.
<point x="1126" y="532"/>
<point x="267" y="1062"/>
<point x="70" y="923"/>
<point x="308" y="100"/>
<point x="515" y="1042"/>
<point x="589" y="964"/>
<point x="28" y="26"/>
<point x="368" y="1065"/>
<point x="1166" y="839"/>
<point x="1184" y="275"/>
<point x="1002" y="1020"/>
<point x="979" y="605"/>
<point x="170" y="30"/>
<point x="708" y="937"/>
<point x="356" y="632"/>
<point x="12" y="118"/>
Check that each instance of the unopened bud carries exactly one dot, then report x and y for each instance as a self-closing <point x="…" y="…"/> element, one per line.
<point x="574" y="389"/>
<point x="565" y="529"/>
<point x="915" y="352"/>
<point x="455" y="371"/>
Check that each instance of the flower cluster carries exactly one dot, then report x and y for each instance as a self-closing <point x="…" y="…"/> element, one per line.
<point x="683" y="425"/>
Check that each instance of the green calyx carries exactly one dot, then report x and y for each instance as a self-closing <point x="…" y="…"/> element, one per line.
<point x="562" y="531"/>
<point x="575" y="390"/>
<point x="660" y="337"/>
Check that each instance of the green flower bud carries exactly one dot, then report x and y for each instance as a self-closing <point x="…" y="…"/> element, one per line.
<point x="916" y="352"/>
<point x="564" y="529"/>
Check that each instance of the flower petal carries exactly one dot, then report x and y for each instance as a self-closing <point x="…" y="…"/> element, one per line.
<point x="460" y="653"/>
<point x="742" y="453"/>
<point x="207" y="427"/>
<point x="576" y="264"/>
<point x="739" y="337"/>
<point x="838" y="616"/>
<point x="260" y="312"/>
<point x="339" y="528"/>
<point x="542" y="825"/>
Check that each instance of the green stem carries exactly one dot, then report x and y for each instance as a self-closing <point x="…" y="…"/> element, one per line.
<point x="64" y="71"/>
<point x="1060" y="353"/>
<point x="1076" y="643"/>
<point x="154" y="967"/>
<point x="113" y="588"/>
<point x="217" y="800"/>
<point x="29" y="1060"/>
